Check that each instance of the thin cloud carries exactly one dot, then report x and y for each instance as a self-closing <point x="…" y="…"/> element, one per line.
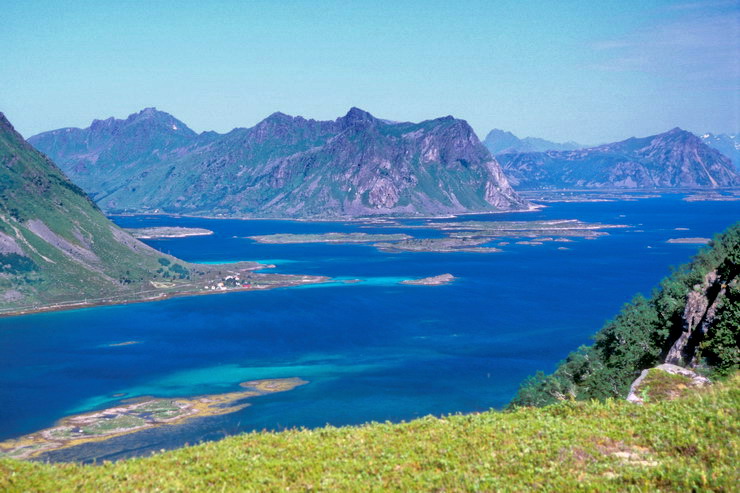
<point x="691" y="48"/>
<point x="717" y="4"/>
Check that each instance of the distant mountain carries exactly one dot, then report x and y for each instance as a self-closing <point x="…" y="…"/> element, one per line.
<point x="502" y="142"/>
<point x="674" y="159"/>
<point x="97" y="152"/>
<point x="283" y="167"/>
<point x="729" y="145"/>
<point x="55" y="244"/>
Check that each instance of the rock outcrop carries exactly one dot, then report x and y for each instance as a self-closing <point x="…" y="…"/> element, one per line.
<point x="651" y="384"/>
<point x="699" y="313"/>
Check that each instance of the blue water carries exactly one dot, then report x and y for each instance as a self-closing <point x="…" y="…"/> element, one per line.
<point x="372" y="351"/>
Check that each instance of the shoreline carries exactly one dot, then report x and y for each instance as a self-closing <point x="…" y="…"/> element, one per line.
<point x="76" y="305"/>
<point x="338" y="219"/>
<point x="143" y="413"/>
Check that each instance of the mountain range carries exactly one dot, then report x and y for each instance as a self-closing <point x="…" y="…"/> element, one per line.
<point x="284" y="166"/>
<point x="503" y="142"/>
<point x="729" y="145"/>
<point x="674" y="159"/>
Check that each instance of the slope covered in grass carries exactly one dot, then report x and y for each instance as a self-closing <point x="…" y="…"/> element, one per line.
<point x="681" y="445"/>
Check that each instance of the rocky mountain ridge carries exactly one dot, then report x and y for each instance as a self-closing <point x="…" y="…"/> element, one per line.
<point x="283" y="167"/>
<point x="502" y="142"/>
<point x="674" y="159"/>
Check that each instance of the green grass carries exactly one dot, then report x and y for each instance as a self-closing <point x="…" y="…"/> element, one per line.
<point x="681" y="445"/>
<point x="117" y="423"/>
<point x="660" y="386"/>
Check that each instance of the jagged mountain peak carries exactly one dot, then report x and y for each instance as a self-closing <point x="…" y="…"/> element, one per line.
<point x="677" y="132"/>
<point x="355" y="116"/>
<point x="148" y="118"/>
<point x="289" y="166"/>
<point x="279" y="117"/>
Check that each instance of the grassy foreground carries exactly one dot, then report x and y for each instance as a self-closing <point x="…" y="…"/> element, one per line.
<point x="681" y="445"/>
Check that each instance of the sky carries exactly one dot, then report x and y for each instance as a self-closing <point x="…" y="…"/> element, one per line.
<point x="587" y="71"/>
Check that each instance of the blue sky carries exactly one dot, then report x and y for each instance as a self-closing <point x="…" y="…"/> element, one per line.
<point x="563" y="70"/>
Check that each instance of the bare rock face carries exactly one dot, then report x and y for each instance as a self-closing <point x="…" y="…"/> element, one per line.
<point x="285" y="166"/>
<point x="699" y="313"/>
<point x="9" y="245"/>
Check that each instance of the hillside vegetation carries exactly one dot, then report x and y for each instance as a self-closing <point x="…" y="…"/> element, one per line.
<point x="691" y="319"/>
<point x="681" y="445"/>
<point x="55" y="245"/>
<point x="57" y="249"/>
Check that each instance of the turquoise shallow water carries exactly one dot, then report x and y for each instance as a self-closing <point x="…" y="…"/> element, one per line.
<point x="374" y="350"/>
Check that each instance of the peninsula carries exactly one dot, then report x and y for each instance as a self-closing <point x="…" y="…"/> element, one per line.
<point x="167" y="232"/>
<point x="138" y="415"/>
<point x="287" y="238"/>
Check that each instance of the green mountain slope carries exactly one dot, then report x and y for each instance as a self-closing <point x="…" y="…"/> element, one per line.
<point x="692" y="320"/>
<point x="57" y="248"/>
<point x="55" y="245"/>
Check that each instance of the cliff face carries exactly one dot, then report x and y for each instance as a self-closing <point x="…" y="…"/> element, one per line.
<point x="287" y="166"/>
<point x="675" y="159"/>
<point x="698" y="315"/>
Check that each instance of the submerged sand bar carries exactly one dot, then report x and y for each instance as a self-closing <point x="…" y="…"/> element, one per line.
<point x="143" y="413"/>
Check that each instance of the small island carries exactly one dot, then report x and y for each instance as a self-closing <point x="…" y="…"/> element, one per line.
<point x="136" y="415"/>
<point x="431" y="281"/>
<point x="162" y="232"/>
<point x="689" y="241"/>
<point x="460" y="236"/>
<point x="288" y="238"/>
<point x="522" y="229"/>
<point x="714" y="196"/>
<point x="437" y="245"/>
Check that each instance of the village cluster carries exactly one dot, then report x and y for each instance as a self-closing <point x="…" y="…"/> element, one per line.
<point x="229" y="282"/>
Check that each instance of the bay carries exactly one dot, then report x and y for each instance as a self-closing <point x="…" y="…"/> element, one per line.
<point x="372" y="351"/>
